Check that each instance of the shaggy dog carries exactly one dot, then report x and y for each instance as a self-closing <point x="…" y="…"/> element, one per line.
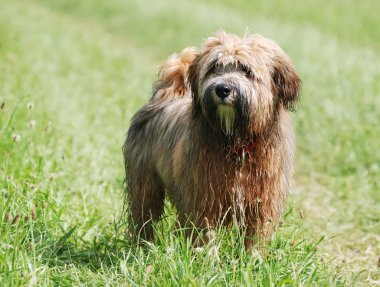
<point x="215" y="137"/>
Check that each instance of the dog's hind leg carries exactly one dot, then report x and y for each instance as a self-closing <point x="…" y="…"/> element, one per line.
<point x="146" y="203"/>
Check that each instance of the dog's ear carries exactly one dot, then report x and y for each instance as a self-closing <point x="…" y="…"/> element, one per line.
<point x="286" y="81"/>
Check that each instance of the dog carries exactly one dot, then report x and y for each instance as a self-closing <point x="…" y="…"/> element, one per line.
<point x="215" y="138"/>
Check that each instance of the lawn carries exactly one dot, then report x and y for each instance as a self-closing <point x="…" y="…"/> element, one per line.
<point x="72" y="74"/>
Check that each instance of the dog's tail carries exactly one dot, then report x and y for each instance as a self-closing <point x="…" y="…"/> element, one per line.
<point x="172" y="79"/>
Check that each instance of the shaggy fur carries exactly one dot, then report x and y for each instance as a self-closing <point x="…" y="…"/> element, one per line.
<point x="215" y="137"/>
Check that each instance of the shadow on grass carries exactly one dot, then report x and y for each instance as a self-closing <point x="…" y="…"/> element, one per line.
<point x="94" y="253"/>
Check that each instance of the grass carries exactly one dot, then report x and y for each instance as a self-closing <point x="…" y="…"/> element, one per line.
<point x="73" y="73"/>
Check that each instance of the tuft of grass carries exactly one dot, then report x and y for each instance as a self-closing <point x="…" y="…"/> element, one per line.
<point x="73" y="73"/>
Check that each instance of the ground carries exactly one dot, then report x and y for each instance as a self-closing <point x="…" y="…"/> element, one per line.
<point x="72" y="74"/>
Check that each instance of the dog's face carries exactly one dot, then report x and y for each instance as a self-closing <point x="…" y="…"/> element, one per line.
<point x="241" y="83"/>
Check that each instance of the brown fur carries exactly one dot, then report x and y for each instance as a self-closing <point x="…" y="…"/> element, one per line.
<point x="218" y="160"/>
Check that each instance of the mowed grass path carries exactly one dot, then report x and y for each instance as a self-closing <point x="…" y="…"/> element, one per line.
<point x="73" y="74"/>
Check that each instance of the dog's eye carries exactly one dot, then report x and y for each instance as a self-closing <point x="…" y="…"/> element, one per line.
<point x="213" y="68"/>
<point x="248" y="72"/>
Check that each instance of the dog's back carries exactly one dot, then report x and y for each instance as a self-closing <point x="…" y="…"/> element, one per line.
<point x="164" y="117"/>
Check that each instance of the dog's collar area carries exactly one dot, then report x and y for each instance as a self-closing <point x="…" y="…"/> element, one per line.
<point x="242" y="151"/>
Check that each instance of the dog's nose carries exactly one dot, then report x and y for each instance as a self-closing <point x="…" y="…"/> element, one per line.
<point x="222" y="90"/>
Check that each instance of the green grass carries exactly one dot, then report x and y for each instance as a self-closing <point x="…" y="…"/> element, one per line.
<point x="72" y="74"/>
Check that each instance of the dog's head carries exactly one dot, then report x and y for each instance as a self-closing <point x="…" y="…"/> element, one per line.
<point x="242" y="83"/>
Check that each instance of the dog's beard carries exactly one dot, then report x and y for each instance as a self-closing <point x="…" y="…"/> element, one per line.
<point x="226" y="115"/>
